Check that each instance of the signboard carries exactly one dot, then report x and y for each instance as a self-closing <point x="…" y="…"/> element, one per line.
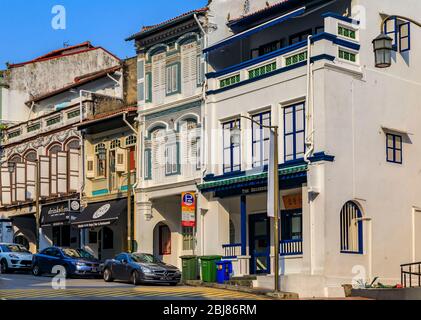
<point x="293" y="202"/>
<point x="188" y="209"/>
<point x="58" y="214"/>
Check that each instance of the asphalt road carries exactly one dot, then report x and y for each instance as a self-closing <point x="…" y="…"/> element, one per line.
<point x="27" y="287"/>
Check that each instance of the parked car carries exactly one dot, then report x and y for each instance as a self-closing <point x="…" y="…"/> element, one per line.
<point x="76" y="262"/>
<point x="14" y="257"/>
<point x="140" y="268"/>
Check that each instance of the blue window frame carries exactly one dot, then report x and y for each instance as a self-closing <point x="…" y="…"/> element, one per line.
<point x="394" y="148"/>
<point x="400" y="32"/>
<point x="261" y="139"/>
<point x="351" y="229"/>
<point x="294" y="132"/>
<point x="405" y="37"/>
<point x="231" y="152"/>
<point x="292" y="232"/>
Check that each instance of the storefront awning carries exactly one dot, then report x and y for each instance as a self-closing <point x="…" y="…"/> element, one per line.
<point x="58" y="214"/>
<point x="100" y="214"/>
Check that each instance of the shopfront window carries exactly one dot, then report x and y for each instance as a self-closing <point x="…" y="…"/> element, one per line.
<point x="292" y="225"/>
<point x="61" y="236"/>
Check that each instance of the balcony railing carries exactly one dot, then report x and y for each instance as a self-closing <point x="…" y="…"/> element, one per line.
<point x="291" y="248"/>
<point x="411" y="275"/>
<point x="331" y="45"/>
<point x="232" y="250"/>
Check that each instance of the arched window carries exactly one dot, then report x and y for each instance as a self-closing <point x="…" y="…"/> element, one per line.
<point x="54" y="149"/>
<point x="115" y="144"/>
<point x="73" y="145"/>
<point x="100" y="162"/>
<point x="351" y="229"/>
<point x="31" y="156"/>
<point x="16" y="158"/>
<point x="22" y="241"/>
<point x="131" y="141"/>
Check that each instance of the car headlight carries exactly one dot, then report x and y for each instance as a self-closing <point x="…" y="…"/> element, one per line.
<point x="13" y="256"/>
<point x="146" y="270"/>
<point x="81" y="264"/>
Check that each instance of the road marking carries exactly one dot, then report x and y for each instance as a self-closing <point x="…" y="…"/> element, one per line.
<point x="5" y="279"/>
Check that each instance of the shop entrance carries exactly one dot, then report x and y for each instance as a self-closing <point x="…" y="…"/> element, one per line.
<point x="259" y="242"/>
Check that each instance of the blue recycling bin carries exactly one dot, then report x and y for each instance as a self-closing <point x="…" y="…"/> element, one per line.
<point x="223" y="271"/>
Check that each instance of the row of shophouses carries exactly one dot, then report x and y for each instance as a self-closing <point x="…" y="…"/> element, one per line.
<point x="119" y="146"/>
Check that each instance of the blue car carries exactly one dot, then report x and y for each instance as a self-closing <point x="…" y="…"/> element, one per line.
<point x="75" y="262"/>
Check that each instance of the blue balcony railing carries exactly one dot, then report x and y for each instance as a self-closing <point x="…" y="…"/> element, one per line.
<point x="291" y="247"/>
<point x="232" y="250"/>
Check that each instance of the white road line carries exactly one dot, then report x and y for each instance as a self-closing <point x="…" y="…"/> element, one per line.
<point x="5" y="279"/>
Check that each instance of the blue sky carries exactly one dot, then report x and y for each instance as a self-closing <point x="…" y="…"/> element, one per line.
<point x="26" y="30"/>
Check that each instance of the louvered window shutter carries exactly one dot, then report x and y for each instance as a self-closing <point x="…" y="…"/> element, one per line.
<point x="53" y="174"/>
<point x="44" y="163"/>
<point x="189" y="54"/>
<point x="20" y="182"/>
<point x="90" y="167"/>
<point x="158" y="78"/>
<point x="5" y="186"/>
<point x="121" y="161"/>
<point x="62" y="178"/>
<point x="74" y="172"/>
<point x="31" y="171"/>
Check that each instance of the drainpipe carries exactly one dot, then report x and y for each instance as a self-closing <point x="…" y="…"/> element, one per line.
<point x="310" y="142"/>
<point x="205" y="85"/>
<point x="31" y="110"/>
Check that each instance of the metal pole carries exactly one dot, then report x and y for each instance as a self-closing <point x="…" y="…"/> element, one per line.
<point x="37" y="194"/>
<point x="276" y="208"/>
<point x="129" y="204"/>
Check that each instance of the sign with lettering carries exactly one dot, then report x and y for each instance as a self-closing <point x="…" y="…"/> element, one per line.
<point x="57" y="214"/>
<point x="293" y="202"/>
<point x="188" y="209"/>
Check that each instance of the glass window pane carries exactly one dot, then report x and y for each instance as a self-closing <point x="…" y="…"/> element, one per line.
<point x="299" y="120"/>
<point x="300" y="142"/>
<point x="236" y="156"/>
<point x="390" y="155"/>
<point x="289" y="145"/>
<point x="289" y="125"/>
<point x="257" y="153"/>
<point x="398" y="142"/>
<point x="398" y="156"/>
<point x="389" y="141"/>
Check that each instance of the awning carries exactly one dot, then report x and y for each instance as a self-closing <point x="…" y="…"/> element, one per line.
<point x="58" y="214"/>
<point x="100" y="214"/>
<point x="250" y="32"/>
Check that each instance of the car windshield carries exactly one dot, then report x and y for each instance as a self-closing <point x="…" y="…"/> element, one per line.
<point x="72" y="253"/>
<point x="145" y="258"/>
<point x="14" y="248"/>
<point x="85" y="254"/>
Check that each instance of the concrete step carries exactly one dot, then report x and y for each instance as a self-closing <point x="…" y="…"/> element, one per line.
<point x="240" y="283"/>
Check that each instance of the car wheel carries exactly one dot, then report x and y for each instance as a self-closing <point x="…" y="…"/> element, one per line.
<point x="4" y="267"/>
<point x="135" y="278"/>
<point x="108" y="276"/>
<point x="36" y="271"/>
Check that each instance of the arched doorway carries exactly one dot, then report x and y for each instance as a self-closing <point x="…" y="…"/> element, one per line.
<point x="162" y="240"/>
<point x="23" y="241"/>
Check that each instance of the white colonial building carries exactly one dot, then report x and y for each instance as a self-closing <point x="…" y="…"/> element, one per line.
<point x="349" y="141"/>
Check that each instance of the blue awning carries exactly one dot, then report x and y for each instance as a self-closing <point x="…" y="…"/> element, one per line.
<point x="252" y="31"/>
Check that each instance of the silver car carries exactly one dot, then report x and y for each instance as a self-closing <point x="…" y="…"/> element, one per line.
<point x="14" y="257"/>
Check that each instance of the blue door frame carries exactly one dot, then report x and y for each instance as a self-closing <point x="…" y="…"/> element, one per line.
<point x="259" y="243"/>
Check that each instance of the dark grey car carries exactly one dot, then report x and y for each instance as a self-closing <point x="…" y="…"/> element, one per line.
<point x="140" y="268"/>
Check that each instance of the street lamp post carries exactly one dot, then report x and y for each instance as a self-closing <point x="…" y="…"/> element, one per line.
<point x="383" y="44"/>
<point x="236" y="139"/>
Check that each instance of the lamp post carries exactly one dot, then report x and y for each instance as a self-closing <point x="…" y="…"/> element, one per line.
<point x="383" y="44"/>
<point x="236" y="140"/>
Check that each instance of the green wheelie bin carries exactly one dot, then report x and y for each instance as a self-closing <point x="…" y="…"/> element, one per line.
<point x="209" y="269"/>
<point x="190" y="268"/>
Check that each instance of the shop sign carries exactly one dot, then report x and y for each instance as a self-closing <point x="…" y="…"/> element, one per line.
<point x="188" y="209"/>
<point x="293" y="202"/>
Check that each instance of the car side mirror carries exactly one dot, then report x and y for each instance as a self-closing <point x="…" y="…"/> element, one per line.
<point x="124" y="261"/>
